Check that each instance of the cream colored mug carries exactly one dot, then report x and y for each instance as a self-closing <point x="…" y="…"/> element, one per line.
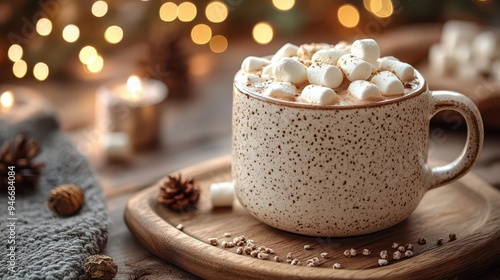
<point x="342" y="170"/>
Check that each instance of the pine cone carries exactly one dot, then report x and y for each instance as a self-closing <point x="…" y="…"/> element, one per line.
<point x="20" y="155"/>
<point x="179" y="195"/>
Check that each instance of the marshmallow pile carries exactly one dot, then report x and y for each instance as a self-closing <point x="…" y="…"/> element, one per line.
<point x="317" y="73"/>
<point x="466" y="51"/>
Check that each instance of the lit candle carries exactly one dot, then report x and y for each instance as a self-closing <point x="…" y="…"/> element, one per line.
<point x="132" y="108"/>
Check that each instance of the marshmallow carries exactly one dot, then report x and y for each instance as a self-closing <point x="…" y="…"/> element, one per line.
<point x="441" y="62"/>
<point x="388" y="83"/>
<point x="281" y="90"/>
<point x="222" y="194"/>
<point x="324" y="75"/>
<point x="403" y="71"/>
<point x="366" y="49"/>
<point x="287" y="50"/>
<point x="330" y="56"/>
<point x="268" y="69"/>
<point x="253" y="63"/>
<point x="364" y="90"/>
<point x="116" y="147"/>
<point x="290" y="70"/>
<point x="456" y="32"/>
<point x="486" y="44"/>
<point x="343" y="46"/>
<point x="354" y="68"/>
<point x="249" y="79"/>
<point x="306" y="51"/>
<point x="319" y="95"/>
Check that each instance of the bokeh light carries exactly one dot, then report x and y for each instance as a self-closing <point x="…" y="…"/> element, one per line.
<point x="262" y="33"/>
<point x="201" y="34"/>
<point x="95" y="64"/>
<point x="186" y="11"/>
<point x="99" y="8"/>
<point x="71" y="33"/>
<point x="86" y="53"/>
<point x="168" y="11"/>
<point x="41" y="71"/>
<point x="216" y="12"/>
<point x="20" y="68"/>
<point x="348" y="15"/>
<point x="381" y="8"/>
<point x="15" y="52"/>
<point x="44" y="26"/>
<point x="283" y="5"/>
<point x="218" y="44"/>
<point x="113" y="34"/>
<point x="7" y="99"/>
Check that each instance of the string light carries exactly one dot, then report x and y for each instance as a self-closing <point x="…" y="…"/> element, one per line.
<point x="99" y="8"/>
<point x="7" y="99"/>
<point x="113" y="34"/>
<point x="216" y="12"/>
<point x="44" y="26"/>
<point x="86" y="53"/>
<point x="283" y="5"/>
<point x="95" y="64"/>
<point x="348" y="15"/>
<point x="71" y="33"/>
<point x="20" y="68"/>
<point x="186" y="11"/>
<point x="262" y="33"/>
<point x="168" y="12"/>
<point x="41" y="71"/>
<point x="381" y="8"/>
<point x="218" y="44"/>
<point x="15" y="52"/>
<point x="201" y="34"/>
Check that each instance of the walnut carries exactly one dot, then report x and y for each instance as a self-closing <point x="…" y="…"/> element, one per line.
<point x="100" y="267"/>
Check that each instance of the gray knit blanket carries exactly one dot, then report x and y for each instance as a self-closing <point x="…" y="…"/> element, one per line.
<point x="48" y="246"/>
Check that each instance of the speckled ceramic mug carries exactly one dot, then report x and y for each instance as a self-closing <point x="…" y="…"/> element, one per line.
<point x="342" y="170"/>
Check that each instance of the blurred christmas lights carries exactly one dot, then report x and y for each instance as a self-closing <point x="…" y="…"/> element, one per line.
<point x="201" y="34"/>
<point x="99" y="8"/>
<point x="168" y="12"/>
<point x="15" y="52"/>
<point x="41" y="71"/>
<point x="262" y="33"/>
<point x="186" y="12"/>
<point x="218" y="44"/>
<point x="283" y="5"/>
<point x="44" y="26"/>
<point x="20" y="68"/>
<point x="348" y="15"/>
<point x="216" y="12"/>
<point x="113" y="34"/>
<point x="71" y="33"/>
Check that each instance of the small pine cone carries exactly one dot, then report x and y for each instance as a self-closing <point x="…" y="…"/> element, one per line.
<point x="66" y="200"/>
<point x="100" y="267"/>
<point x="178" y="194"/>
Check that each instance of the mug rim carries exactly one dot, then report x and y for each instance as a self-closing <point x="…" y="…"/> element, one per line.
<point x="421" y="88"/>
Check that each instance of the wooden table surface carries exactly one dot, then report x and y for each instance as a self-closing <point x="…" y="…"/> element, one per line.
<point x="199" y="130"/>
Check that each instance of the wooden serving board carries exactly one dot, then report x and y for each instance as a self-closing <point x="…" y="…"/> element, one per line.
<point x="470" y="208"/>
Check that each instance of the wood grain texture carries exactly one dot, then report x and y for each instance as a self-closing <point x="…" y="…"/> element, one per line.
<point x="469" y="207"/>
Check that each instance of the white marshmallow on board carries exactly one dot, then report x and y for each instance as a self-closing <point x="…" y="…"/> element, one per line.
<point x="486" y="44"/>
<point x="330" y="56"/>
<point x="366" y="49"/>
<point x="222" y="194"/>
<point x="268" y="69"/>
<point x="364" y="90"/>
<point x="289" y="70"/>
<point x="456" y="32"/>
<point x="354" y="68"/>
<point x="388" y="83"/>
<point x="318" y="95"/>
<point x="281" y="90"/>
<point x="116" y="147"/>
<point x="254" y="63"/>
<point x="287" y="50"/>
<point x="441" y="62"/>
<point x="323" y="74"/>
<point x="403" y="71"/>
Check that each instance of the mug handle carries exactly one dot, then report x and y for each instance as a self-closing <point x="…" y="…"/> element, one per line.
<point x="450" y="100"/>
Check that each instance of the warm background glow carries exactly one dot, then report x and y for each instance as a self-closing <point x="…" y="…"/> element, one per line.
<point x="113" y="34"/>
<point x="348" y="15"/>
<point x="71" y="33"/>
<point x="15" y="52"/>
<point x="41" y="71"/>
<point x="44" y="26"/>
<point x="381" y="8"/>
<point x="86" y="53"/>
<point x="99" y="8"/>
<point x="201" y="34"/>
<point x="7" y="99"/>
<point x="20" y="68"/>
<point x="95" y="64"/>
<point x="168" y="11"/>
<point x="218" y="44"/>
<point x="216" y="12"/>
<point x="186" y="11"/>
<point x="283" y="5"/>
<point x="262" y="33"/>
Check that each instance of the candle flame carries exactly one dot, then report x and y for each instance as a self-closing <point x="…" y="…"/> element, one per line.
<point x="7" y="99"/>
<point x="134" y="87"/>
